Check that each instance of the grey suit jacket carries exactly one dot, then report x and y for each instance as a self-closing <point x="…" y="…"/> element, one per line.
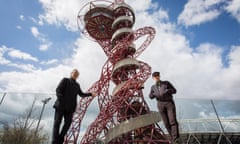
<point x="162" y="91"/>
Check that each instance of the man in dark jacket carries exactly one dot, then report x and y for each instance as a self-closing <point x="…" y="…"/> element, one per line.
<point x="163" y="91"/>
<point x="65" y="105"/>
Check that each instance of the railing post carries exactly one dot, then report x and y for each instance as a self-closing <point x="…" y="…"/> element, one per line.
<point x="221" y="126"/>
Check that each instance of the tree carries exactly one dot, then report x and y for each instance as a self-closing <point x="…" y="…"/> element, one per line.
<point x="22" y="130"/>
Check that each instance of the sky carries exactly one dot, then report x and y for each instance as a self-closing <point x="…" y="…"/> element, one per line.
<point x="196" y="47"/>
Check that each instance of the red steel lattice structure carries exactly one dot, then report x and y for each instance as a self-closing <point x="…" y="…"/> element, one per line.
<point x="124" y="116"/>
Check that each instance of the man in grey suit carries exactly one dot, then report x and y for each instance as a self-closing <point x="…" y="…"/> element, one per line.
<point x="163" y="91"/>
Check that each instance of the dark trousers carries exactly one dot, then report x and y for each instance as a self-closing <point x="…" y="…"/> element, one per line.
<point x="58" y="136"/>
<point x="168" y="113"/>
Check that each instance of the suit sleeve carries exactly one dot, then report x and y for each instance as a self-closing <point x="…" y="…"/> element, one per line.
<point x="82" y="94"/>
<point x="60" y="88"/>
<point x="171" y="88"/>
<point x="151" y="95"/>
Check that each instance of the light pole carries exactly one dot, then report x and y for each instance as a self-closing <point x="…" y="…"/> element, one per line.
<point x="45" y="101"/>
<point x="4" y="94"/>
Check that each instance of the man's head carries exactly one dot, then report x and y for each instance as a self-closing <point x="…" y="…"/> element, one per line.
<point x="74" y="74"/>
<point x="156" y="76"/>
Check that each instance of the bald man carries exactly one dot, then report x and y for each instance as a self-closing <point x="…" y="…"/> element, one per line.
<point x="65" y="105"/>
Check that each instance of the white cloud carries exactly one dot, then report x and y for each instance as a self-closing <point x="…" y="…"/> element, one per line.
<point x="21" y="17"/>
<point x="234" y="56"/>
<point x="24" y="67"/>
<point x="44" y="47"/>
<point x="33" y="20"/>
<point x="35" y="31"/>
<point x="141" y="5"/>
<point x="45" y="43"/>
<point x="230" y="75"/>
<point x="19" y="27"/>
<point x="49" y="62"/>
<point x="61" y="13"/>
<point x="3" y="60"/>
<point x="14" y="53"/>
<point x="8" y="55"/>
<point x="233" y="7"/>
<point x="199" y="11"/>
<point x="37" y="81"/>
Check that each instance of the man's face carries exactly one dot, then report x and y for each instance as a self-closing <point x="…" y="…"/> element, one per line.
<point x="75" y="74"/>
<point x="156" y="78"/>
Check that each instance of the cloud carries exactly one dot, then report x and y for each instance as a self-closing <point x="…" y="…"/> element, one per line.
<point x="21" y="17"/>
<point x="37" y="81"/>
<point x="229" y="74"/>
<point x="45" y="44"/>
<point x="18" y="27"/>
<point x="141" y="5"/>
<point x="3" y="60"/>
<point x="8" y="57"/>
<point x="199" y="11"/>
<point x="44" y="47"/>
<point x="35" y="32"/>
<point x="61" y="13"/>
<point x="14" y="53"/>
<point x="234" y="56"/>
<point x="233" y="7"/>
<point x="49" y="62"/>
<point x="34" y="20"/>
<point x="193" y="70"/>
<point x="24" y="67"/>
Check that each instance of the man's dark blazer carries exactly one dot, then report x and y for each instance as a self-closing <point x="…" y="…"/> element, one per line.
<point x="67" y="91"/>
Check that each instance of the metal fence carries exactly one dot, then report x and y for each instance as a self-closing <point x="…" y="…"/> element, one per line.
<point x="195" y="116"/>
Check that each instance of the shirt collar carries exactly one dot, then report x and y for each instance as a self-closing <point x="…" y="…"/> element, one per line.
<point x="158" y="83"/>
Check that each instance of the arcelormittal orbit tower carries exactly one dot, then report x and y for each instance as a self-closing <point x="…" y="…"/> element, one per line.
<point x="124" y="116"/>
